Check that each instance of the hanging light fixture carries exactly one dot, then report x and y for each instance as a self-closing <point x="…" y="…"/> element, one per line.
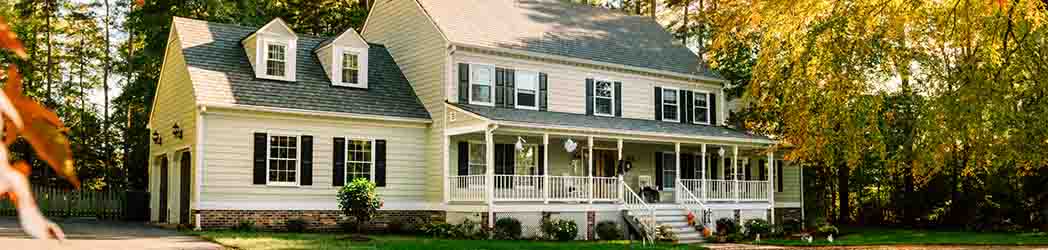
<point x="720" y="152"/>
<point x="570" y="145"/>
<point x="520" y="143"/>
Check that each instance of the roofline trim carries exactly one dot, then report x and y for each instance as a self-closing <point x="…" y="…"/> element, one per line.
<point x="317" y="113"/>
<point x="633" y="132"/>
<point x="591" y="62"/>
<point x="336" y="38"/>
<point x="471" y="114"/>
<point x="163" y="66"/>
<point x="429" y="18"/>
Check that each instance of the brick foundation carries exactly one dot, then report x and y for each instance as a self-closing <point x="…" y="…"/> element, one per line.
<point x="318" y="220"/>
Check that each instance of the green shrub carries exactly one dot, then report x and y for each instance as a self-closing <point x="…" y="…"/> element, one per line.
<point x="245" y="226"/>
<point x="827" y="229"/>
<point x="791" y="225"/>
<point x="557" y="229"/>
<point x="296" y="225"/>
<point x="608" y="230"/>
<point x="348" y="226"/>
<point x="439" y="230"/>
<point x="665" y="233"/>
<point x="358" y="199"/>
<point x="507" y="229"/>
<point x="726" y="226"/>
<point x="757" y="226"/>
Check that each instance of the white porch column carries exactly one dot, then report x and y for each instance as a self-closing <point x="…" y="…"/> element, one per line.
<point x="620" y="172"/>
<point x="676" y="171"/>
<point x="735" y="171"/>
<point x="545" y="168"/>
<point x="489" y="172"/>
<point x="589" y="162"/>
<point x="447" y="169"/>
<point x="771" y="186"/>
<point x="704" y="168"/>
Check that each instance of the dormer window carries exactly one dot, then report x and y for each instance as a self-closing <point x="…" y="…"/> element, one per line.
<point x="276" y="59"/>
<point x="271" y="51"/>
<point x="350" y="69"/>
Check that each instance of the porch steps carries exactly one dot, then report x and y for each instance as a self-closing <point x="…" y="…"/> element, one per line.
<point x="677" y="219"/>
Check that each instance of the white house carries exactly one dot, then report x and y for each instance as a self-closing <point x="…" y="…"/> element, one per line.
<point x="474" y="109"/>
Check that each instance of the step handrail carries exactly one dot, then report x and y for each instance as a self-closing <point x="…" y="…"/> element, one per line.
<point x="689" y="202"/>
<point x="634" y="203"/>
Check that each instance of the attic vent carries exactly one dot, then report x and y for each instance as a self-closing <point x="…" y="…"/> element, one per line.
<point x="452" y="116"/>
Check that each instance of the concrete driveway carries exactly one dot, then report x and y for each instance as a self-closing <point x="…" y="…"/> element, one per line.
<point x="101" y="235"/>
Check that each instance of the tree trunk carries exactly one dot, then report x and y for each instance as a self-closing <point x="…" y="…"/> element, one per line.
<point x="49" y="10"/>
<point x="107" y="65"/>
<point x="842" y="194"/>
<point x="651" y="7"/>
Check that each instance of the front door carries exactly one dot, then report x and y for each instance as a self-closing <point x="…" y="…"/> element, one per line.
<point x="162" y="216"/>
<point x="604" y="163"/>
<point x="183" y="193"/>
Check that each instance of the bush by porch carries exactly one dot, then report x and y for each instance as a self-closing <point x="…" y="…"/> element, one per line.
<point x="273" y="240"/>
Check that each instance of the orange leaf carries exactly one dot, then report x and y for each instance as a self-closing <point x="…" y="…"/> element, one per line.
<point x="13" y="88"/>
<point x="10" y="132"/>
<point x="49" y="143"/>
<point x="9" y="40"/>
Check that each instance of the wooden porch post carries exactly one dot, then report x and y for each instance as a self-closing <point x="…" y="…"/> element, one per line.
<point x="489" y="171"/>
<point x="703" y="181"/>
<point x="771" y="187"/>
<point x="620" y="173"/>
<point x="676" y="171"/>
<point x="589" y="162"/>
<point x="545" y="168"/>
<point x="735" y="171"/>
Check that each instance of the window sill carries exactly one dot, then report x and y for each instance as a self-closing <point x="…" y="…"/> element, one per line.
<point x="489" y="104"/>
<point x="604" y="115"/>
<point x="277" y="78"/>
<point x="668" y="120"/>
<point x="350" y="85"/>
<point x="283" y="185"/>
<point x="527" y="108"/>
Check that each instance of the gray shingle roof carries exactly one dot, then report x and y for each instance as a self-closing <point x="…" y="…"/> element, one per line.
<point x="221" y="74"/>
<point x="563" y="28"/>
<point x="600" y="122"/>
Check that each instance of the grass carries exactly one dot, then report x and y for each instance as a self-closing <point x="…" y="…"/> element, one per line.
<point x="883" y="236"/>
<point x="271" y="240"/>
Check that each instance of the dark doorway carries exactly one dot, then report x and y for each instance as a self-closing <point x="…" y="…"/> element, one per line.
<point x="162" y="217"/>
<point x="183" y="194"/>
<point x="604" y="163"/>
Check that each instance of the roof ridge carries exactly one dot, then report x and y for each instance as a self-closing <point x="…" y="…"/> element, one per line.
<point x="237" y="25"/>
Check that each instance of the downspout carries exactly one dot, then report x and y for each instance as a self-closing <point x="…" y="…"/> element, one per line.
<point x="802" y="196"/>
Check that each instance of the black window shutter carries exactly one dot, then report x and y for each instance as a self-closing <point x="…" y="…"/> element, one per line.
<point x="730" y="169"/>
<point x="463" y="90"/>
<point x="713" y="163"/>
<point x="259" y="173"/>
<point x="682" y="100"/>
<point x="589" y="96"/>
<point x="338" y="169"/>
<point x="463" y="158"/>
<point x="778" y="175"/>
<point x="542" y="160"/>
<point x="511" y="88"/>
<point x="500" y="158"/>
<point x="658" y="170"/>
<point x="763" y="170"/>
<point x="380" y="163"/>
<point x="689" y="107"/>
<point x="746" y="170"/>
<point x="500" y="87"/>
<point x="658" y="103"/>
<point x="543" y="90"/>
<point x="618" y="99"/>
<point x="687" y="166"/>
<point x="713" y="110"/>
<point x="307" y="160"/>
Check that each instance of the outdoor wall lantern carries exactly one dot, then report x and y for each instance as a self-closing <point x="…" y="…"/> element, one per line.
<point x="156" y="138"/>
<point x="176" y="131"/>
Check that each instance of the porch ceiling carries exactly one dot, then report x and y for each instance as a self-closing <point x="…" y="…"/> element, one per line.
<point x="569" y="121"/>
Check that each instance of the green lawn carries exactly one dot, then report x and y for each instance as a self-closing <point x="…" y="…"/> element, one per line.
<point x="880" y="236"/>
<point x="267" y="240"/>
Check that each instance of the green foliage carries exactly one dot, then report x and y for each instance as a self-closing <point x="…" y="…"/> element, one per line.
<point x="245" y="226"/>
<point x="608" y="230"/>
<point x="558" y="229"/>
<point x="348" y="226"/>
<point x="757" y="226"/>
<point x="827" y="229"/>
<point x="470" y="230"/>
<point x="726" y="226"/>
<point x="507" y="228"/>
<point x="359" y="200"/>
<point x="665" y="233"/>
<point x="791" y="225"/>
<point x="296" y="225"/>
<point x="439" y="230"/>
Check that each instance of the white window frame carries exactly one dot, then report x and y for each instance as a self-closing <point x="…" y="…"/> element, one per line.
<point x="288" y="59"/>
<point x="694" y="107"/>
<point x="517" y="87"/>
<point x="298" y="159"/>
<point x="362" y="67"/>
<point x="473" y="81"/>
<point x="610" y="98"/>
<point x="663" y="104"/>
<point x="668" y="186"/>
<point x="346" y="162"/>
<point x="470" y="164"/>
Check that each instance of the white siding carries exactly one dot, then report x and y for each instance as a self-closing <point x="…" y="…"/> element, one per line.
<point x="228" y="159"/>
<point x="419" y="49"/>
<point x="173" y="104"/>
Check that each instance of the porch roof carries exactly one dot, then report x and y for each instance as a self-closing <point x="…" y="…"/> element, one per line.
<point x="551" y="118"/>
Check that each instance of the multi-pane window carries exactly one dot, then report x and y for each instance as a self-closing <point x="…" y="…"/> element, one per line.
<point x="702" y="108"/>
<point x="527" y="83"/>
<point x="480" y="90"/>
<point x="477" y="159"/>
<point x="276" y="59"/>
<point x="603" y="97"/>
<point x="669" y="170"/>
<point x="670" y="105"/>
<point x="359" y="159"/>
<point x="283" y="159"/>
<point x="350" y="68"/>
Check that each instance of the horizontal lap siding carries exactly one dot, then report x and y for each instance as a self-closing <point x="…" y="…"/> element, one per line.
<point x="791" y="185"/>
<point x="420" y="51"/>
<point x="174" y="104"/>
<point x="228" y="158"/>
<point x="567" y="90"/>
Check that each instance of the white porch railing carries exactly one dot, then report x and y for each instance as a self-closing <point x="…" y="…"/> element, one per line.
<point x="692" y="203"/>
<point x="518" y="187"/>
<point x="720" y="190"/>
<point x="467" y="188"/>
<point x="639" y="209"/>
<point x="724" y="190"/>
<point x="569" y="188"/>
<point x="753" y="190"/>
<point x="606" y="188"/>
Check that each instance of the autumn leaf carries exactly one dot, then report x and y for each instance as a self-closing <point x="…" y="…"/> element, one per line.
<point x="41" y="128"/>
<point x="9" y="40"/>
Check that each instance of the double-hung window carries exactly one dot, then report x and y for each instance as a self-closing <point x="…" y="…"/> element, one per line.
<point x="480" y="84"/>
<point x="282" y="167"/>
<point x="669" y="170"/>
<point x="527" y="83"/>
<point x="350" y="68"/>
<point x="701" y="106"/>
<point x="670" y="105"/>
<point x="477" y="158"/>
<point x="360" y="159"/>
<point x="276" y="59"/>
<point x="603" y="98"/>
